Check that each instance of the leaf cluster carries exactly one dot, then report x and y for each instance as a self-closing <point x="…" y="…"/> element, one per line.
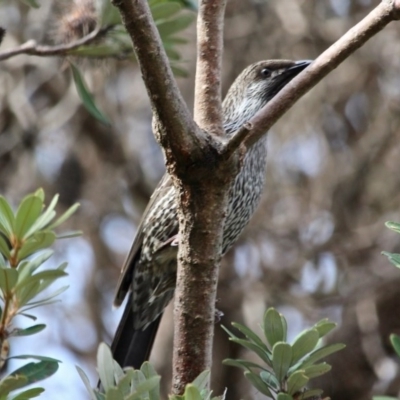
<point x="129" y="384"/>
<point x="28" y="230"/>
<point x="394" y="258"/>
<point x="169" y="20"/>
<point x="287" y="368"/>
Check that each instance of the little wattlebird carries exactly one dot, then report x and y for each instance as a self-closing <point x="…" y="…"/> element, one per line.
<point x="149" y="273"/>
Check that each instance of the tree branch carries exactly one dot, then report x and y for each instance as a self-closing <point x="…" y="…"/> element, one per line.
<point x="33" y="49"/>
<point x="174" y="126"/>
<point x="375" y="21"/>
<point x="207" y="104"/>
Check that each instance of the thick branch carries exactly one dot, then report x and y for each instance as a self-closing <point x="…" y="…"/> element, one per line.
<point x="175" y="128"/>
<point x="34" y="49"/>
<point x="385" y="12"/>
<point x="207" y="109"/>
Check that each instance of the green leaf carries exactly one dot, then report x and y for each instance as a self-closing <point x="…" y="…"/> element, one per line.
<point x="124" y="383"/>
<point x="8" y="279"/>
<point x="10" y="383"/>
<point x="68" y="235"/>
<point x="46" y="300"/>
<point x="86" y="382"/>
<point x="4" y="249"/>
<point x="2" y="261"/>
<point x="148" y="370"/>
<point x="167" y="28"/>
<point x="394" y="258"/>
<point x="137" y="378"/>
<point x="274" y="329"/>
<point x="284" y="327"/>
<point x="114" y="393"/>
<point x="270" y="380"/>
<point x="7" y="219"/>
<point x="394" y="226"/>
<point x="324" y="327"/>
<point x="255" y="348"/>
<point x="281" y="359"/>
<point x="144" y="387"/>
<point x="35" y="372"/>
<point x="192" y="393"/>
<point x="384" y="398"/>
<point x="244" y="364"/>
<point x="29" y="394"/>
<point x="47" y="276"/>
<point x="28" y="212"/>
<point x="304" y="344"/>
<point x="395" y="340"/>
<point x="258" y="383"/>
<point x="40" y="193"/>
<point x="28" y="331"/>
<point x="26" y="268"/>
<point x="86" y="97"/>
<point x="165" y="10"/>
<point x="252" y="336"/>
<point x="321" y="353"/>
<point x="311" y="393"/>
<point x="45" y="218"/>
<point x="105" y="366"/>
<point x="71" y="210"/>
<point x="297" y="381"/>
<point x="38" y="241"/>
<point x="27" y="292"/>
<point x="312" y="371"/>
<point x="201" y="382"/>
<point x="284" y="396"/>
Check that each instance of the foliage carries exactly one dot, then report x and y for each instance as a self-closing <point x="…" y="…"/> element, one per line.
<point x="394" y="258"/>
<point x="22" y="234"/>
<point x="117" y="43"/>
<point x="395" y="340"/>
<point x="287" y="368"/>
<point x="143" y="384"/>
<point x="114" y="42"/>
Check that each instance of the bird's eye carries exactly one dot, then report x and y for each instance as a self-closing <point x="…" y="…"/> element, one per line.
<point x="266" y="72"/>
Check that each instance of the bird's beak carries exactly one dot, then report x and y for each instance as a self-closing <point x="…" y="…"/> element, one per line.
<point x="290" y="72"/>
<point x="297" y="67"/>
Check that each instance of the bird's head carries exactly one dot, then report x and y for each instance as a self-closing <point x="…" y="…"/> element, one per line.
<point x="254" y="87"/>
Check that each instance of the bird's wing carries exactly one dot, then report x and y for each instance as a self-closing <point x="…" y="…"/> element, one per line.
<point x="125" y="279"/>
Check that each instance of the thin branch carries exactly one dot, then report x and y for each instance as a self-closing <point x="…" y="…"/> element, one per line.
<point x="173" y="120"/>
<point x="375" y="21"/>
<point x="210" y="23"/>
<point x="33" y="49"/>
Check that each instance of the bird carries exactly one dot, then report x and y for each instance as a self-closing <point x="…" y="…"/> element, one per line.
<point x="148" y="276"/>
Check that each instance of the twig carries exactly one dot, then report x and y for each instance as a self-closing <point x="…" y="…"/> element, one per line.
<point x="33" y="49"/>
<point x="375" y="21"/>
<point x="207" y="109"/>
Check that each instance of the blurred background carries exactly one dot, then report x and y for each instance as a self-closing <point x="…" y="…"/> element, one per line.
<point x="313" y="248"/>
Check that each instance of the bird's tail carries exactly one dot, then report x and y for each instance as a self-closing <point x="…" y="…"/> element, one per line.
<point x="130" y="347"/>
